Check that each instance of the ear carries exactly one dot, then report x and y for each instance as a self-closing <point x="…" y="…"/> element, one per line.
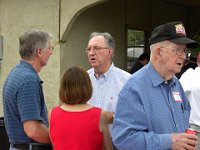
<point x="158" y="53"/>
<point x="110" y="51"/>
<point x="38" y="52"/>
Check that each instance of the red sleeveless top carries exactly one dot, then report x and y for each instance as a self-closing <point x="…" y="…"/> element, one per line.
<point x="76" y="130"/>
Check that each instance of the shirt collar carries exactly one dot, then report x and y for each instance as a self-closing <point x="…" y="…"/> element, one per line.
<point x="156" y="78"/>
<point x="107" y="74"/>
<point x="27" y="65"/>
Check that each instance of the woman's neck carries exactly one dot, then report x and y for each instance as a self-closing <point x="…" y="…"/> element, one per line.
<point x="76" y="107"/>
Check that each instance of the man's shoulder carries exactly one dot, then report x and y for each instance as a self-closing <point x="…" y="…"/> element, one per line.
<point x="119" y="71"/>
<point x="22" y="74"/>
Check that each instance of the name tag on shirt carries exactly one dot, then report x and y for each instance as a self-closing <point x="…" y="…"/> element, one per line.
<point x="177" y="96"/>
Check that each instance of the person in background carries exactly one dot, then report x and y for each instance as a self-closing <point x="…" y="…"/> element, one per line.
<point x="24" y="106"/>
<point x="191" y="85"/>
<point x="107" y="80"/>
<point x="75" y="124"/>
<point x="153" y="111"/>
<point x="142" y="60"/>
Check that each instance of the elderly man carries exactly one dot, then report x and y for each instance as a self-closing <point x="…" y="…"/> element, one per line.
<point x="153" y="111"/>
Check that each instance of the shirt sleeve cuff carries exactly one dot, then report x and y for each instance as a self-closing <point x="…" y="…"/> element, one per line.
<point x="165" y="141"/>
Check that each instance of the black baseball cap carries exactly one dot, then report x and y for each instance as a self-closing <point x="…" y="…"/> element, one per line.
<point x="173" y="31"/>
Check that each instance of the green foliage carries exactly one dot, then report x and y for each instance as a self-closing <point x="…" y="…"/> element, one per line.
<point x="135" y="38"/>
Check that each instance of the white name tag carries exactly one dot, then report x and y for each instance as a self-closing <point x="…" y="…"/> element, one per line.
<point x="177" y="96"/>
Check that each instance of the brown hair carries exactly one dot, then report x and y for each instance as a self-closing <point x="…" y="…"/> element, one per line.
<point x="75" y="87"/>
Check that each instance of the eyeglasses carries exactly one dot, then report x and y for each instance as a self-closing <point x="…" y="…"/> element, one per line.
<point x="179" y="51"/>
<point x="51" y="48"/>
<point x="95" y="49"/>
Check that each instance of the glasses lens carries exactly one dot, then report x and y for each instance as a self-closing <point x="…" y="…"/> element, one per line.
<point x="180" y="51"/>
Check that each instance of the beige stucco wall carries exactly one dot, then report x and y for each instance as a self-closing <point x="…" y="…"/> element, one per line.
<point x="15" y="18"/>
<point x="69" y="12"/>
<point x="53" y="16"/>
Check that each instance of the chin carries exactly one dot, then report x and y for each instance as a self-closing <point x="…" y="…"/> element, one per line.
<point x="177" y="71"/>
<point x="94" y="65"/>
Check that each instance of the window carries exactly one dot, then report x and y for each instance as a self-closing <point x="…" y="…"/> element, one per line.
<point x="135" y="46"/>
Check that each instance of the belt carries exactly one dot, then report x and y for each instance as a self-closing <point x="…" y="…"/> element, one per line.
<point x="32" y="147"/>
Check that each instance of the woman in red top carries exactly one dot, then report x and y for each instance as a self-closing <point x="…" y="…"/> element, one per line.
<point x="76" y="125"/>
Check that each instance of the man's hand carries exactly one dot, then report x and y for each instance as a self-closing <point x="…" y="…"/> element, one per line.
<point x="184" y="141"/>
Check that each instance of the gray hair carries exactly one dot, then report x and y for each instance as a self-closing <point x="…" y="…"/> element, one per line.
<point x="159" y="44"/>
<point x="32" y="40"/>
<point x="108" y="38"/>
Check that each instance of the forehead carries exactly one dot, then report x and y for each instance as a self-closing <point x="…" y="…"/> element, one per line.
<point x="97" y="40"/>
